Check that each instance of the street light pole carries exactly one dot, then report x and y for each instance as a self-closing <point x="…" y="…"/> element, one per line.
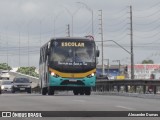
<point x="107" y="67"/>
<point x="91" y="13"/>
<point x="72" y="15"/>
<point x="119" y="65"/>
<point x="28" y="27"/>
<point x="55" y="17"/>
<point x="131" y="53"/>
<point x="119" y="46"/>
<point x="19" y="42"/>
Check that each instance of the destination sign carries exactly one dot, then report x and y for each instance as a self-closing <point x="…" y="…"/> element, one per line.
<point x="72" y="44"/>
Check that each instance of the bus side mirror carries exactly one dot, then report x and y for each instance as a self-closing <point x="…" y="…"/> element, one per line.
<point x="97" y="53"/>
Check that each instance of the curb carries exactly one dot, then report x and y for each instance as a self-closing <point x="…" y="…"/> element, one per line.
<point x="149" y="96"/>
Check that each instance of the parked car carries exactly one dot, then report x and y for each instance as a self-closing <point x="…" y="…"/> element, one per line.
<point x="21" y="84"/>
<point x="4" y="74"/>
<point x="6" y="85"/>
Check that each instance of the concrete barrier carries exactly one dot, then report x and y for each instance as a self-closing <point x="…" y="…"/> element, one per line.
<point x="148" y="96"/>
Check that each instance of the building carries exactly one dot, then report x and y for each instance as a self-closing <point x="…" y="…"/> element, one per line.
<point x="144" y="71"/>
<point x="112" y="71"/>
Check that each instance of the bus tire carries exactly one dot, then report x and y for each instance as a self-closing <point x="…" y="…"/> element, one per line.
<point x="44" y="91"/>
<point x="88" y="91"/>
<point x="50" y="91"/>
<point x="75" y="92"/>
<point x="81" y="91"/>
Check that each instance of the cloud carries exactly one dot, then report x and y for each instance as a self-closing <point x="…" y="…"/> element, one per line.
<point x="40" y="19"/>
<point x="29" y="7"/>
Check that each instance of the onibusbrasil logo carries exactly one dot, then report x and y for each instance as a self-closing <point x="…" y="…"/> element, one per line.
<point x="21" y="114"/>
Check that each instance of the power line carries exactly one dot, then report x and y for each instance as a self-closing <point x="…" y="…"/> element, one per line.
<point x="150" y="23"/>
<point x="148" y="15"/>
<point x="118" y="23"/>
<point x="119" y="29"/>
<point x="118" y="34"/>
<point x="152" y="36"/>
<point x="152" y="29"/>
<point x="118" y="17"/>
<point x="153" y="6"/>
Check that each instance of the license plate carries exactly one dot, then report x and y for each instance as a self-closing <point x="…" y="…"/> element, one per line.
<point x="22" y="88"/>
<point x="73" y="80"/>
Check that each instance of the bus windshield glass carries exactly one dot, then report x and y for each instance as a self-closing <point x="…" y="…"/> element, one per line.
<point x="79" y="54"/>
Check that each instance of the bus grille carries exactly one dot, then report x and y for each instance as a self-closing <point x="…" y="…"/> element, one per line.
<point x="67" y="82"/>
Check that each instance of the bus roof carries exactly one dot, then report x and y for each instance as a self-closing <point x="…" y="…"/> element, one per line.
<point x="65" y="38"/>
<point x="70" y="38"/>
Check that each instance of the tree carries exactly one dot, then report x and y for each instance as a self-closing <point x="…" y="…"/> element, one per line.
<point x="147" y="62"/>
<point x="5" y="66"/>
<point x="28" y="71"/>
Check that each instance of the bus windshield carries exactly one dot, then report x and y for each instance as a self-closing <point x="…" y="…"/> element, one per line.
<point x="78" y="54"/>
<point x="73" y="54"/>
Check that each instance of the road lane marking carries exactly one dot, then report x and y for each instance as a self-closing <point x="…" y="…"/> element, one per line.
<point x="79" y="100"/>
<point x="128" y="108"/>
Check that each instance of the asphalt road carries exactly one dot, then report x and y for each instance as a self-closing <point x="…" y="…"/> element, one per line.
<point x="69" y="102"/>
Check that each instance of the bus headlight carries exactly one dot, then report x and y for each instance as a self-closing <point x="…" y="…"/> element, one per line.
<point x="54" y="75"/>
<point x="2" y="87"/>
<point x="91" y="75"/>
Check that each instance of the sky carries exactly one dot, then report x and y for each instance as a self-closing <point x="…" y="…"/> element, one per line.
<point x="25" y="25"/>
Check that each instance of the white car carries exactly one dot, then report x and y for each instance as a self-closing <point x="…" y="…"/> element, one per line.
<point x="6" y="85"/>
<point x="5" y="74"/>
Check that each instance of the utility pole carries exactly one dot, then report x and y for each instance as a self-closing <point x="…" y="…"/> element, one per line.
<point x="107" y="67"/>
<point x="7" y="45"/>
<point x="131" y="37"/>
<point x="28" y="51"/>
<point x="68" y="30"/>
<point x="40" y="33"/>
<point x="7" y="52"/>
<point x="19" y="48"/>
<point x="101" y="32"/>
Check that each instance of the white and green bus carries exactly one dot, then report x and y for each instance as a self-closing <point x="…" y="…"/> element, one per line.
<point x="68" y="64"/>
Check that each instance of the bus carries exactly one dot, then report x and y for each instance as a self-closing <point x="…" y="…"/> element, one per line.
<point x="68" y="63"/>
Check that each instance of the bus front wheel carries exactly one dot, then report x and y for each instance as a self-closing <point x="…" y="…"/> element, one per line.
<point x="88" y="91"/>
<point x="50" y="91"/>
<point x="75" y="92"/>
<point x="44" y="91"/>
